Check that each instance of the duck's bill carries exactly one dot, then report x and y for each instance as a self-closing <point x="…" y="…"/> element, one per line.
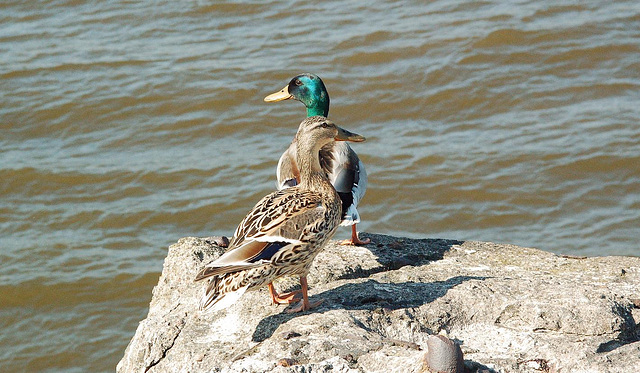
<point x="344" y="135"/>
<point x="279" y="96"/>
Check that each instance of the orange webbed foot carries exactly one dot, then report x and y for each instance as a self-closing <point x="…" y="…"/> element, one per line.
<point x="284" y="298"/>
<point x="304" y="306"/>
<point x="355" y="240"/>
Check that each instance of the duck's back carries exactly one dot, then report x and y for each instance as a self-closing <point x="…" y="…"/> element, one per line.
<point x="343" y="168"/>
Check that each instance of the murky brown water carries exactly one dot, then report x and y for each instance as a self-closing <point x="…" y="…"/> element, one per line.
<point x="127" y="125"/>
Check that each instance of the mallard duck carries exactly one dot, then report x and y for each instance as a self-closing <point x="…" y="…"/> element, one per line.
<point x="346" y="171"/>
<point x="285" y="230"/>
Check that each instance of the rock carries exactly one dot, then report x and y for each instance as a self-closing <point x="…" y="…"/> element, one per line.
<point x="511" y="309"/>
<point x="221" y="241"/>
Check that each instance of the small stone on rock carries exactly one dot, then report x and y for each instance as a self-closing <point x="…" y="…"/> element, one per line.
<point x="287" y="362"/>
<point x="290" y="334"/>
<point x="443" y="355"/>
<point x="221" y="241"/>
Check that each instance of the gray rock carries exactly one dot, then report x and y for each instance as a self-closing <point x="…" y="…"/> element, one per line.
<point x="511" y="309"/>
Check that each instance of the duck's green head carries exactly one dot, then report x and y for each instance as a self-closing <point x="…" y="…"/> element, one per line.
<point x="308" y="89"/>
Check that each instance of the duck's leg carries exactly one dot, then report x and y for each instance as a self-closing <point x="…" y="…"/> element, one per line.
<point x="355" y="240"/>
<point x="304" y="305"/>
<point x="286" y="298"/>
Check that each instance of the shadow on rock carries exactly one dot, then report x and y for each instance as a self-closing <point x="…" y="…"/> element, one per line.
<point x="393" y="253"/>
<point x="369" y="295"/>
<point x="630" y="331"/>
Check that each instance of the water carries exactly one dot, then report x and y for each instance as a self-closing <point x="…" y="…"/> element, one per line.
<point x="127" y="125"/>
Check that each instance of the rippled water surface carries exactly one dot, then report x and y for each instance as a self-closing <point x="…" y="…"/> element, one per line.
<point x="127" y="125"/>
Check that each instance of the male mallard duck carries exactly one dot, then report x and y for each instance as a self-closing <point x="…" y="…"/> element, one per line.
<point x="284" y="232"/>
<point x="346" y="171"/>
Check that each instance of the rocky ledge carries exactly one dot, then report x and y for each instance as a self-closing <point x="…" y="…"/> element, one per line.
<point x="509" y="308"/>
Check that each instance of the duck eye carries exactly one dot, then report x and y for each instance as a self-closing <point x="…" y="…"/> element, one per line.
<point x="325" y="125"/>
<point x="298" y="82"/>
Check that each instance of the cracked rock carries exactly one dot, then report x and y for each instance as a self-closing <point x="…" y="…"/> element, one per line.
<point x="509" y="308"/>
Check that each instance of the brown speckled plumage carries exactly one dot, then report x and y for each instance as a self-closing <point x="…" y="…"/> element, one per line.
<point x="286" y="229"/>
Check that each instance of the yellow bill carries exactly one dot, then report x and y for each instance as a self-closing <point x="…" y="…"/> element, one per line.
<point x="279" y="96"/>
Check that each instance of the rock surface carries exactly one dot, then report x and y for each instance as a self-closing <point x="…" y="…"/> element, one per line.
<point x="511" y="309"/>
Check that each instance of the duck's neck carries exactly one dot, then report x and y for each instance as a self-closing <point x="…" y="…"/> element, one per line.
<point x="316" y="181"/>
<point x="311" y="174"/>
<point x="319" y="106"/>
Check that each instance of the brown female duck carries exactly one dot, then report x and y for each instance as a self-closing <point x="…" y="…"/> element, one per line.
<point x="284" y="231"/>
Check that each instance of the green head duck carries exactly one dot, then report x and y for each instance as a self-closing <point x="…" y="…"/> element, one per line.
<point x="308" y="89"/>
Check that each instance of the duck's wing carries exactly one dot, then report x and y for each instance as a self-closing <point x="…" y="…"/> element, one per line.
<point x="287" y="171"/>
<point x="276" y="222"/>
<point x="348" y="175"/>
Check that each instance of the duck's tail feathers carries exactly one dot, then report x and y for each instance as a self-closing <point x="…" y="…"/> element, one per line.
<point x="211" y="270"/>
<point x="351" y="217"/>
<point x="212" y="301"/>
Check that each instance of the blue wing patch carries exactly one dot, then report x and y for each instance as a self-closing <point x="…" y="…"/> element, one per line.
<point x="290" y="183"/>
<point x="269" y="251"/>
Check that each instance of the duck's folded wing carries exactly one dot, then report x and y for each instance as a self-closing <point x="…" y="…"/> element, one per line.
<point x="287" y="171"/>
<point x="349" y="177"/>
<point x="345" y="170"/>
<point x="275" y="222"/>
<point x="267" y="216"/>
<point x="251" y="254"/>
